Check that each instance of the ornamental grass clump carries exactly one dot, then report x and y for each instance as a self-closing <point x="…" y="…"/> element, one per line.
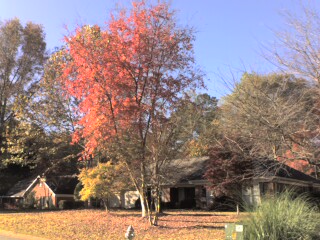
<point x="283" y="217"/>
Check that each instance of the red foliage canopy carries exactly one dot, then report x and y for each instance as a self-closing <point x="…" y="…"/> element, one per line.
<point x="129" y="73"/>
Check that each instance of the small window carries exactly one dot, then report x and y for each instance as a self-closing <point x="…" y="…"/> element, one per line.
<point x="40" y="185"/>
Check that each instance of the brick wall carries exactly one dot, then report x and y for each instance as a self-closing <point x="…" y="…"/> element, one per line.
<point x="43" y="193"/>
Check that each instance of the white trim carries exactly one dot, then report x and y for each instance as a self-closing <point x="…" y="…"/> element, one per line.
<point x="30" y="186"/>
<point x="287" y="180"/>
<point x="199" y="182"/>
<point x="52" y="192"/>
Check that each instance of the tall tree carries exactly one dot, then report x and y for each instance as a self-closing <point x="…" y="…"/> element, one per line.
<point x="22" y="55"/>
<point x="267" y="120"/>
<point x="53" y="110"/>
<point x="297" y="46"/>
<point x="275" y="115"/>
<point x="127" y="79"/>
<point x="199" y="119"/>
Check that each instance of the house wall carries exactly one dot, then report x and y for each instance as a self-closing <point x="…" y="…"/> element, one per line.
<point x="129" y="199"/>
<point x="203" y="197"/>
<point x="114" y="200"/>
<point x="251" y="194"/>
<point x="165" y="196"/>
<point x="43" y="194"/>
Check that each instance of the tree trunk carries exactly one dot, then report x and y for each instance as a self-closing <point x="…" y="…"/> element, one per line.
<point x="238" y="209"/>
<point x="149" y="211"/>
<point x="144" y="211"/>
<point x="89" y="203"/>
<point x="105" y="204"/>
<point x="157" y="203"/>
<point x="145" y="208"/>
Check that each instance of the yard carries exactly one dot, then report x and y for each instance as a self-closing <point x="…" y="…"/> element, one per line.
<point x="97" y="224"/>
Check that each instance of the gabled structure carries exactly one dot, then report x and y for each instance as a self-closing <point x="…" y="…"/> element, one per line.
<point x="183" y="186"/>
<point x="44" y="193"/>
<point x="275" y="178"/>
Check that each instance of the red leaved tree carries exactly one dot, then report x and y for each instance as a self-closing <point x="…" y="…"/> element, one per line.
<point x="128" y="77"/>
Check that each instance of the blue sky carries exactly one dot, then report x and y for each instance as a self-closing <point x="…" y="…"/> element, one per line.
<point x="229" y="32"/>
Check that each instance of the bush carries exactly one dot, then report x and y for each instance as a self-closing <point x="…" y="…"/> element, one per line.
<point x="283" y="217"/>
<point x="31" y="201"/>
<point x="68" y="204"/>
<point x="78" y="204"/>
<point x="224" y="204"/>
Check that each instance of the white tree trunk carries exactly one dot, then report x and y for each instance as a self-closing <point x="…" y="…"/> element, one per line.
<point x="144" y="210"/>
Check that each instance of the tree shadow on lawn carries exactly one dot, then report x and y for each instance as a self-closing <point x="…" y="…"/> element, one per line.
<point x="196" y="215"/>
<point x="168" y="220"/>
<point x="173" y="213"/>
<point x="125" y="213"/>
<point x="193" y="227"/>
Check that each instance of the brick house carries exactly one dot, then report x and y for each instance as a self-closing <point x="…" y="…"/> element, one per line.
<point x="45" y="193"/>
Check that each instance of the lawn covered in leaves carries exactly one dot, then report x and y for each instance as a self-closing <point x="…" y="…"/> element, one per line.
<point x="98" y="224"/>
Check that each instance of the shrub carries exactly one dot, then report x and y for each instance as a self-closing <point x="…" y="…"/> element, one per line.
<point x="65" y="204"/>
<point x="10" y="206"/>
<point x="31" y="201"/>
<point x="283" y="217"/>
<point x="68" y="204"/>
<point x="50" y="203"/>
<point x="78" y="204"/>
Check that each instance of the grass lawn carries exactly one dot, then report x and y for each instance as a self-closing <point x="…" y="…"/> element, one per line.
<point x="97" y="224"/>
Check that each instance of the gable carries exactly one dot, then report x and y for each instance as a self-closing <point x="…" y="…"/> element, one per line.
<point x="20" y="189"/>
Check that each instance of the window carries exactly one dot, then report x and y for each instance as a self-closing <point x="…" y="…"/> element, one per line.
<point x="203" y="192"/>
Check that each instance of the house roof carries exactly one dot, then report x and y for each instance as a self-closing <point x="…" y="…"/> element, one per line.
<point x="269" y="169"/>
<point x="59" y="185"/>
<point x="190" y="170"/>
<point x="21" y="187"/>
<point x="185" y="170"/>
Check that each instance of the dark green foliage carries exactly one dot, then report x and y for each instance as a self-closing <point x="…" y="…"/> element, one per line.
<point x="30" y="202"/>
<point x="67" y="204"/>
